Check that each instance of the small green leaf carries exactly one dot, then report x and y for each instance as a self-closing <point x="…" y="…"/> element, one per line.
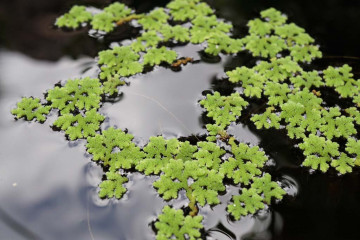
<point x="319" y="152"/>
<point x="172" y="224"/>
<point x="182" y="10"/>
<point x="343" y="164"/>
<point x="154" y="20"/>
<point x="223" y="109"/>
<point x="114" y="147"/>
<point x="30" y="108"/>
<point x="245" y="164"/>
<point x="79" y="126"/>
<point x="209" y="155"/>
<point x="155" y="56"/>
<point x="266" y="120"/>
<point x="74" y="17"/>
<point x="268" y="188"/>
<point x="76" y="94"/>
<point x="112" y="186"/>
<point x="247" y="202"/>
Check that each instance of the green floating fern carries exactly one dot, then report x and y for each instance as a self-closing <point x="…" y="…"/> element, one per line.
<point x="115" y="148"/>
<point x="245" y="163"/>
<point x="155" y="56"/>
<point x="79" y="126"/>
<point x="172" y="224"/>
<point x="30" y="108"/>
<point x="159" y="152"/>
<point x="80" y="94"/>
<point x="270" y="36"/>
<point x="252" y="199"/>
<point x="342" y="79"/>
<point x="223" y="109"/>
<point x="182" y="10"/>
<point x="105" y="20"/>
<point x="204" y="188"/>
<point x="319" y="152"/>
<point x="76" y="16"/>
<point x="205" y="27"/>
<point x="155" y="20"/>
<point x="112" y="186"/>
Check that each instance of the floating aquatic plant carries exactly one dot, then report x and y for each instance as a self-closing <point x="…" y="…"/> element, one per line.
<point x="290" y="93"/>
<point x="30" y="108"/>
<point x="79" y="94"/>
<point x="173" y="224"/>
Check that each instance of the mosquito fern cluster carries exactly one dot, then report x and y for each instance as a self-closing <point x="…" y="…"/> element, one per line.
<point x="281" y="79"/>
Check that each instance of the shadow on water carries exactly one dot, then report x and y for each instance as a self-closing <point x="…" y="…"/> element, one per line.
<point x="48" y="187"/>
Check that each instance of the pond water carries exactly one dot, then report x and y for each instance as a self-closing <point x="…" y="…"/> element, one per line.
<point x="48" y="186"/>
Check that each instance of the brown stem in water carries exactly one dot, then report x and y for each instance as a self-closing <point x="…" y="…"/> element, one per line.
<point x="129" y="18"/>
<point x="183" y="61"/>
<point x="192" y="204"/>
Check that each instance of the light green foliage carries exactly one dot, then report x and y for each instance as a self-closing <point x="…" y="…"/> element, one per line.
<point x="159" y="152"/>
<point x="172" y="224"/>
<point x="276" y="92"/>
<point x="214" y="131"/>
<point x="336" y="125"/>
<point x="154" y="20"/>
<point x="277" y="70"/>
<point x="251" y="81"/>
<point x="342" y="79"/>
<point x="245" y="163"/>
<point x="147" y="39"/>
<point x="206" y="27"/>
<point x="117" y="62"/>
<point x="105" y="21"/>
<point x="307" y="80"/>
<point x="273" y="16"/>
<point x="79" y="126"/>
<point x="182" y="10"/>
<point x="115" y="148"/>
<point x="271" y="35"/>
<point x="305" y="53"/>
<point x="112" y="186"/>
<point x="81" y="94"/>
<point x="353" y="147"/>
<point x="74" y="17"/>
<point x="223" y="43"/>
<point x="251" y="200"/>
<point x="30" y="108"/>
<point x="178" y="33"/>
<point x="266" y="120"/>
<point x="302" y="113"/>
<point x="268" y="46"/>
<point x="111" y="84"/>
<point x="223" y="109"/>
<point x="268" y="188"/>
<point x="155" y="56"/>
<point x="319" y="152"/>
<point x="354" y="113"/>
<point x="344" y="164"/>
<point x="209" y="155"/>
<point x="200" y="183"/>
<point x="248" y="202"/>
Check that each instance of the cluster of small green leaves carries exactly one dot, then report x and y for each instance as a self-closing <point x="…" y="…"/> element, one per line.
<point x="294" y="100"/>
<point x="252" y="199"/>
<point x="172" y="224"/>
<point x="200" y="170"/>
<point x="223" y="110"/>
<point x="271" y="35"/>
<point x="105" y="20"/>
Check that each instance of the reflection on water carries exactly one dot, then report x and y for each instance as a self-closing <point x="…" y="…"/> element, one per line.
<point x="48" y="187"/>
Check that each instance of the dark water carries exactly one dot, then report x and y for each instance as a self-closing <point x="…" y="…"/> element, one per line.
<point x="48" y="186"/>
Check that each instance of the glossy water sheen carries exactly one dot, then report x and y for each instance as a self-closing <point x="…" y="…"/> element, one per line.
<point x="48" y="185"/>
